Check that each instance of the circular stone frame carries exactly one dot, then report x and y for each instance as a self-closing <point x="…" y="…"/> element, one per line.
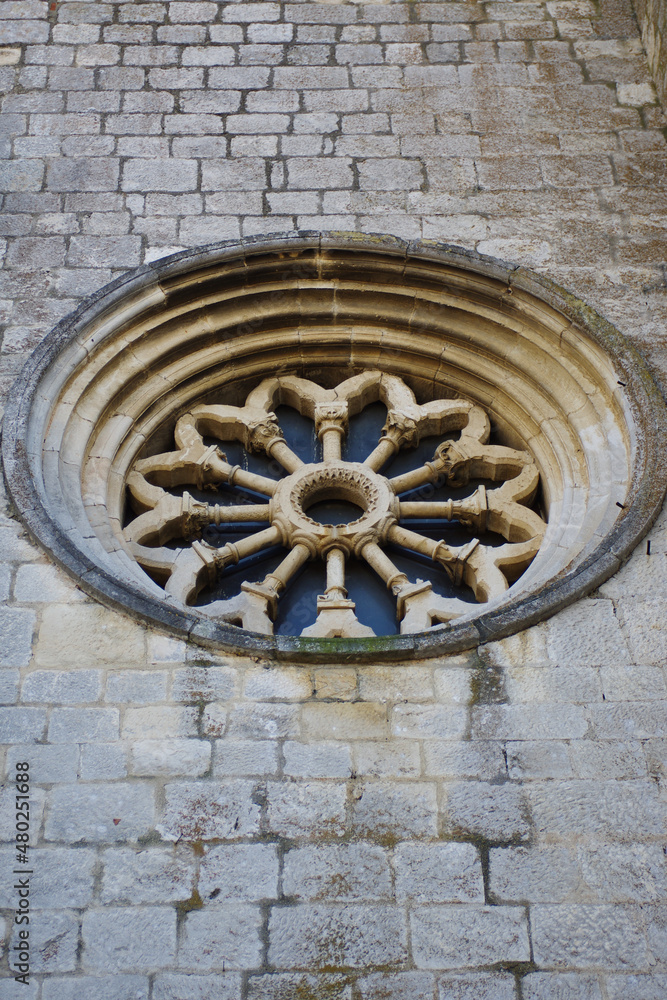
<point x="554" y="377"/>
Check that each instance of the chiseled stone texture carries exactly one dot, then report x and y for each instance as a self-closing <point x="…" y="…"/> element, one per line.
<point x="489" y="826"/>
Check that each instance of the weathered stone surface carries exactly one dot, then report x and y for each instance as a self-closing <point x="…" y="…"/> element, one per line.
<point x="99" y="812"/>
<point x="221" y="938"/>
<point x="209" y="810"/>
<point x="600" y="937"/>
<point x="454" y="937"/>
<point x="438" y="873"/>
<point x="126" y="939"/>
<point x="345" y="873"/>
<point x="154" y="875"/>
<point x="239" y="872"/>
<point x="313" y="937"/>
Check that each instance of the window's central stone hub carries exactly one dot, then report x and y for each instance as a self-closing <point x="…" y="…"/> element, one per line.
<point x="349" y="484"/>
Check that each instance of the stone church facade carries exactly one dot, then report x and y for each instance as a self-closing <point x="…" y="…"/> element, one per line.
<point x="207" y="824"/>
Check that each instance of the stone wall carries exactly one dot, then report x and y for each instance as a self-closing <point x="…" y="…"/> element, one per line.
<point x="486" y="826"/>
<point x="652" y="16"/>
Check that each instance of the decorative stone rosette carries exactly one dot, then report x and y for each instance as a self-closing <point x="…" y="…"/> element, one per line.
<point x="162" y="517"/>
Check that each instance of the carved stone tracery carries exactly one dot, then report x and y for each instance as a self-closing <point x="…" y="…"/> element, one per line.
<point x="162" y="518"/>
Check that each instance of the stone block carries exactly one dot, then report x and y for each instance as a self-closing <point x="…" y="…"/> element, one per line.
<point x="153" y="875"/>
<point x="560" y="986"/>
<point x="83" y="725"/>
<point x="572" y="685"/>
<point x="396" y="986"/>
<point x="170" y="757"/>
<point x="54" y="937"/>
<point x="438" y="873"/>
<point x="99" y="812"/>
<point x="306" y="809"/>
<point x="9" y="686"/>
<point x="244" y="757"/>
<point x="245" y="175"/>
<point x="221" y="938"/>
<point x="136" y="686"/>
<point x="429" y="722"/>
<point x="62" y="878"/>
<point x="102" y="761"/>
<point x="307" y="172"/>
<point x="615" y="873"/>
<point x="19" y="724"/>
<point x="281" y="684"/>
<point x="319" y="936"/>
<point x="473" y="759"/>
<point x="603" y="937"/>
<point x="529" y="722"/>
<point x="285" y="985"/>
<point x="390" y="684"/>
<point x="255" y="720"/>
<point x="70" y="633"/>
<point x="344" y="721"/>
<point x="244" y="872"/>
<point x="176" y="986"/>
<point x="650" y="987"/>
<point x="495" y="812"/>
<point x="629" y="683"/>
<point x="477" y="986"/>
<point x="454" y="937"/>
<point x="42" y="582"/>
<point x="196" y="684"/>
<point x="536" y="875"/>
<point x="16" y="631"/>
<point x="209" y="810"/>
<point x="381" y="759"/>
<point x="61" y="686"/>
<point x="129" y="938"/>
<point x="319" y="760"/>
<point x="599" y="810"/>
<point x="629" y="720"/>
<point x="605" y="759"/>
<point x="167" y="175"/>
<point x="395" y="809"/>
<point x="335" y="683"/>
<point x="160" y="722"/>
<point x="539" y="759"/>
<point x="113" y="987"/>
<point x="83" y="174"/>
<point x="337" y="873"/>
<point x="48" y="764"/>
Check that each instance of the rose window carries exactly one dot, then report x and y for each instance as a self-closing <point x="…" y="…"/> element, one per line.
<point x="335" y="447"/>
<point x="381" y="510"/>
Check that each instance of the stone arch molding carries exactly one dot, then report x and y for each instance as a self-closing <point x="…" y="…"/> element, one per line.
<point x="534" y="401"/>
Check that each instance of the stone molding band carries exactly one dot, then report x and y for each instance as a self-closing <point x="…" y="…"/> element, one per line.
<point x="556" y="380"/>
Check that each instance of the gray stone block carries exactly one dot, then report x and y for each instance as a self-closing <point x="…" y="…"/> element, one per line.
<point x="16" y="630"/>
<point x="54" y="937"/>
<point x="172" y="757"/>
<point x="624" y="874"/>
<point x="306" y="809"/>
<point x="84" y="725"/>
<point x="650" y="987"/>
<point x="607" y="938"/>
<point x="62" y="877"/>
<point x="153" y="875"/>
<point x="129" y="938"/>
<point x="221" y="938"/>
<point x="136" y="686"/>
<point x="438" y="873"/>
<point x="194" y="684"/>
<point x="99" y="812"/>
<point x="561" y="986"/>
<point x="285" y="985"/>
<point x="177" y="986"/>
<point x="61" y="686"/>
<point x="397" y="986"/>
<point x="396" y="809"/>
<point x="245" y="758"/>
<point x="239" y="871"/>
<point x="102" y="761"/>
<point x="477" y="986"/>
<point x="312" y="937"/>
<point x="209" y="810"/>
<point x="536" y="875"/>
<point x="343" y="873"/>
<point x="19" y="724"/>
<point x="454" y="937"/>
<point x="322" y="760"/>
<point x="602" y="810"/>
<point x="496" y="812"/>
<point x="96" y="987"/>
